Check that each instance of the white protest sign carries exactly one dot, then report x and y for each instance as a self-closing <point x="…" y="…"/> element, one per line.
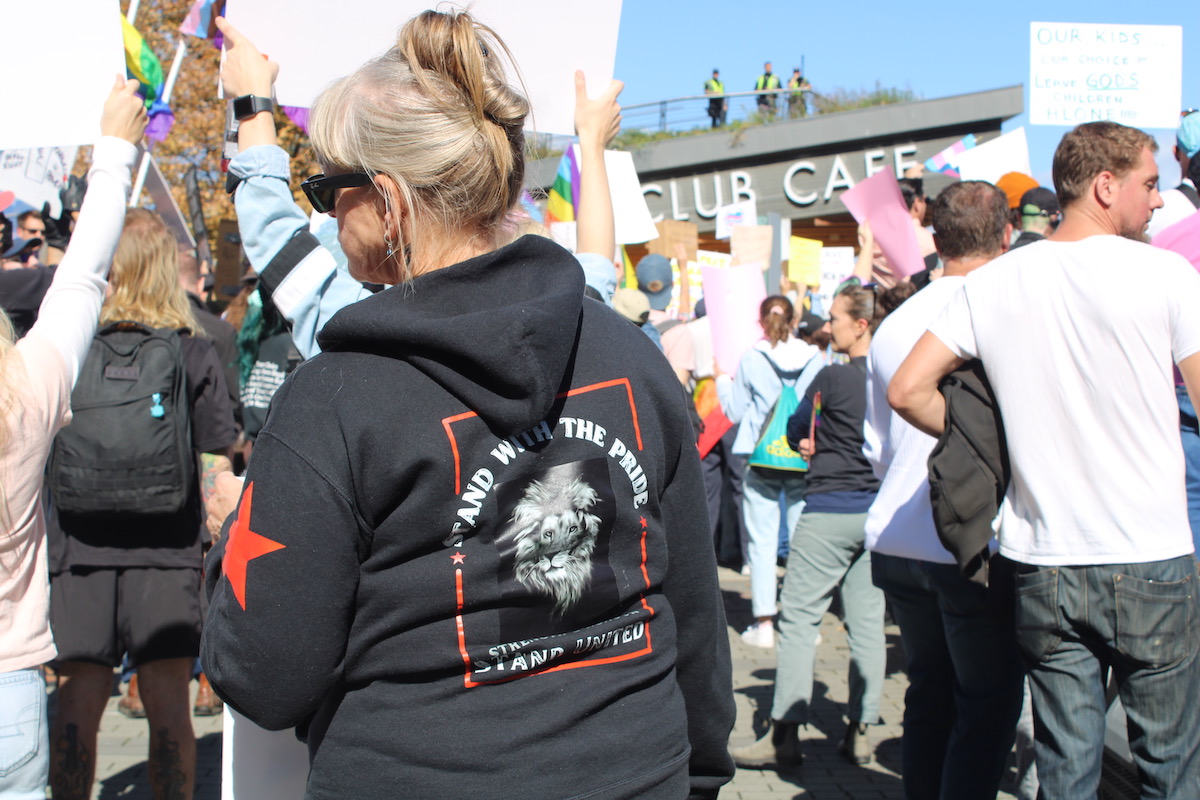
<point x="988" y="161"/>
<point x="276" y="761"/>
<point x="1132" y="74"/>
<point x="36" y="175"/>
<point x="73" y="46"/>
<point x="631" y="216"/>
<point x="734" y="214"/>
<point x="166" y="207"/>
<point x="314" y="47"/>
<point x="837" y="264"/>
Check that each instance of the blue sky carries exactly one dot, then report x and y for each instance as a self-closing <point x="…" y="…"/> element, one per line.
<point x="668" y="48"/>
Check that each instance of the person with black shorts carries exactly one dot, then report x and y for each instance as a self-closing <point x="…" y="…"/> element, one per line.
<point x="130" y="582"/>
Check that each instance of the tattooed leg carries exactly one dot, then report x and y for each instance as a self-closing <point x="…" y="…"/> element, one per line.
<point x="83" y="690"/>
<point x="167" y="776"/>
<point x="76" y="766"/>
<point x="164" y="689"/>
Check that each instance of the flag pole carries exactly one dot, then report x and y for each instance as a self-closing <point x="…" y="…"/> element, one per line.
<point x="168" y="87"/>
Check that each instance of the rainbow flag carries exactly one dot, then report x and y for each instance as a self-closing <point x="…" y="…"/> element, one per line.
<point x="942" y="161"/>
<point x="564" y="194"/>
<point x="142" y="64"/>
<point x="199" y="19"/>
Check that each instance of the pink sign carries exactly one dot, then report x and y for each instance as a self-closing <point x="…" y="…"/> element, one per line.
<point x="732" y="296"/>
<point x="1183" y="237"/>
<point x="877" y="201"/>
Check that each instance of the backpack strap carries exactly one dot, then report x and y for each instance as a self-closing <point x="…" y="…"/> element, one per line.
<point x="291" y="254"/>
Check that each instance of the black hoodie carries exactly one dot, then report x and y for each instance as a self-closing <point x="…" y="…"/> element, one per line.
<point x="450" y="561"/>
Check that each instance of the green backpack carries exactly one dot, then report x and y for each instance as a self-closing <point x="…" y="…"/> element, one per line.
<point x="773" y="450"/>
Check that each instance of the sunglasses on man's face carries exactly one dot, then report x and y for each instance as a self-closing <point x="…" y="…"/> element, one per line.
<point x="321" y="190"/>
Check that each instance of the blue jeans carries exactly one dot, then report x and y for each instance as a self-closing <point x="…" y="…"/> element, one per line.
<point x="761" y="512"/>
<point x="965" y="680"/>
<point x="1143" y="622"/>
<point x="24" y="735"/>
<point x="827" y="552"/>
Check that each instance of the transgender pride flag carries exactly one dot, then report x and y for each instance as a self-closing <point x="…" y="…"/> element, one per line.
<point x="199" y="19"/>
<point x="946" y="161"/>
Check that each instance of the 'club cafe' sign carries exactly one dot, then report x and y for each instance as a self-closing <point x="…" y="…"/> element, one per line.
<point x="801" y="188"/>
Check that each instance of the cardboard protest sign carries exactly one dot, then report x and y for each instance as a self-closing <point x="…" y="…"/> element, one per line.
<point x="1082" y="72"/>
<point x="732" y="297"/>
<point x="804" y="261"/>
<point x="734" y="214"/>
<point x="538" y="42"/>
<point x="671" y="233"/>
<point x="751" y="244"/>
<point x="988" y="161"/>
<point x="72" y="48"/>
<point x="878" y="202"/>
<point x="36" y="175"/>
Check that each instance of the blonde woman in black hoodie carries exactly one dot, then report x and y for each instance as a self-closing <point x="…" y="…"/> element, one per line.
<point x="449" y="564"/>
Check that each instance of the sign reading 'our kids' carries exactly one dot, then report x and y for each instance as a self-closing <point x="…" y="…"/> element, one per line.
<point x="1132" y="74"/>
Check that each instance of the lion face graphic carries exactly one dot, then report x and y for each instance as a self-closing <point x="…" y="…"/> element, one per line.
<point x="555" y="540"/>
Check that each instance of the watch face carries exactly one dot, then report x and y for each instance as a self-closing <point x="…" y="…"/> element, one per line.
<point x="248" y="105"/>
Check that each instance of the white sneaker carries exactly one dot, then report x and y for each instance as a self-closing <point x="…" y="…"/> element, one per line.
<point x="760" y="634"/>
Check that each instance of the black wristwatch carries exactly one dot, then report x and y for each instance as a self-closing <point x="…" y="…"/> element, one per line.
<point x="248" y="105"/>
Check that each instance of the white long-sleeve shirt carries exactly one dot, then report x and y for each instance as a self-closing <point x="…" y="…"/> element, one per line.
<point x="39" y="373"/>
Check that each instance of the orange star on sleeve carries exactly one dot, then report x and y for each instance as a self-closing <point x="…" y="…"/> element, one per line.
<point x="457" y="558"/>
<point x="244" y="546"/>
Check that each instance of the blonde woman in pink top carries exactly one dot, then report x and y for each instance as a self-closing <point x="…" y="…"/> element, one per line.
<point x="36" y="377"/>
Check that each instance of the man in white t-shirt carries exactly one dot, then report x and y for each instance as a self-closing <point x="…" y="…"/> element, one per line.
<point x="964" y="673"/>
<point x="1077" y="335"/>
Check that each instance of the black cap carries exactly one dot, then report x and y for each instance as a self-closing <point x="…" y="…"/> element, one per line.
<point x="1039" y="201"/>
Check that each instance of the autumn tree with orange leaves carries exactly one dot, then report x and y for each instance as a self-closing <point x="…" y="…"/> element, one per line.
<point x="197" y="137"/>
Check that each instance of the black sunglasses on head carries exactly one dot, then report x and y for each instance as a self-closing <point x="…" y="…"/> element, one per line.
<point x="321" y="190"/>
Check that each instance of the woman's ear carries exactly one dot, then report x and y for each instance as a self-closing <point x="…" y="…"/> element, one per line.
<point x="395" y="211"/>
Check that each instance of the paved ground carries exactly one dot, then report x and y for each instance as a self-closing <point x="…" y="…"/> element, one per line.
<point x="121" y="767"/>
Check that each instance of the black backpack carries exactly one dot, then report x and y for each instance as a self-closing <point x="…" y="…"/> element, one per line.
<point x="128" y="449"/>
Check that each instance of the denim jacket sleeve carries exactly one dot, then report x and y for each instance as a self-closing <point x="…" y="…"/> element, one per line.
<point x="312" y="289"/>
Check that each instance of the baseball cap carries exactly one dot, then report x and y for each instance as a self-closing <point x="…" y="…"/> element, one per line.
<point x="19" y="245"/>
<point x="1039" y="202"/>
<point x="1014" y="185"/>
<point x="632" y="304"/>
<point x="654" y="278"/>
<point x="1188" y="136"/>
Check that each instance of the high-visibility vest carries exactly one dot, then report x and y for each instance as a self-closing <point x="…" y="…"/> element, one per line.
<point x="715" y="86"/>
<point x="767" y="82"/>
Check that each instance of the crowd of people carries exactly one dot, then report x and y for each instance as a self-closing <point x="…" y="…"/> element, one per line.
<point x="431" y="498"/>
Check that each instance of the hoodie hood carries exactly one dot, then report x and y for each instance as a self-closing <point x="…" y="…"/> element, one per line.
<point x="497" y="331"/>
<point x="789" y="356"/>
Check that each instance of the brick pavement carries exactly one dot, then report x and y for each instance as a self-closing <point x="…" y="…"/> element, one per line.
<point x="121" y="766"/>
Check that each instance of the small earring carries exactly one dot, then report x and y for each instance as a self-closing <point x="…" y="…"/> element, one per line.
<point x="388" y="243"/>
